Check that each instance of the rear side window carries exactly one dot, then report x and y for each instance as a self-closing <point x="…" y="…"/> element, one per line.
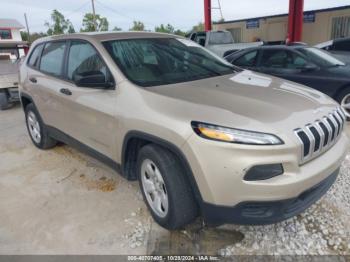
<point x="83" y="58"/>
<point x="342" y="45"/>
<point x="35" y="56"/>
<point x="52" y="58"/>
<point x="247" y="60"/>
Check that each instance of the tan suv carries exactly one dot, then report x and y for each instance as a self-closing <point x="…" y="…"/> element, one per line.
<point x="201" y="136"/>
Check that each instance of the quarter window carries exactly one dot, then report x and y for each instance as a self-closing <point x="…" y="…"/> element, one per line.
<point x="83" y="58"/>
<point x="247" y="60"/>
<point x="52" y="58"/>
<point x="34" y="58"/>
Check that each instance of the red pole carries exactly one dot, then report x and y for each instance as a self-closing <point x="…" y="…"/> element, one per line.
<point x="207" y="15"/>
<point x="290" y="37"/>
<point x="299" y="17"/>
<point x="295" y="20"/>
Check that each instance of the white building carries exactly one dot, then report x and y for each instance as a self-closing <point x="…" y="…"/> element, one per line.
<point x="10" y="30"/>
<point x="10" y="34"/>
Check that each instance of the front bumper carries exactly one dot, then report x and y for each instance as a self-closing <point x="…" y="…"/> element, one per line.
<point x="219" y="170"/>
<point x="261" y="213"/>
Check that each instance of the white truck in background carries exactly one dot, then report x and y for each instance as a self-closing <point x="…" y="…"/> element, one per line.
<point x="220" y="42"/>
<point x="11" y="55"/>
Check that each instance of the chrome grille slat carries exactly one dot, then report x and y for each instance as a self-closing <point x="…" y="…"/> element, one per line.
<point x="313" y="137"/>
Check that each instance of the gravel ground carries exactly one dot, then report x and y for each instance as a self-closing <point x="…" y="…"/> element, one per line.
<point x="324" y="229"/>
<point x="63" y="202"/>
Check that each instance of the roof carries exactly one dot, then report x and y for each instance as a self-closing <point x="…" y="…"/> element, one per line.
<point x="105" y="36"/>
<point x="281" y="15"/>
<point x="10" y="23"/>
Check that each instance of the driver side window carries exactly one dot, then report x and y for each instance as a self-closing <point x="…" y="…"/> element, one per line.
<point x="83" y="58"/>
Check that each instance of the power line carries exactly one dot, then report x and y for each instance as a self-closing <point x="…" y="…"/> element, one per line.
<point x="120" y="14"/>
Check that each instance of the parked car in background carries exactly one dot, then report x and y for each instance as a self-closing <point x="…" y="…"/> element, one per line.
<point x="10" y="59"/>
<point x="306" y="65"/>
<point x="340" y="48"/>
<point x="220" y="42"/>
<point x="202" y="136"/>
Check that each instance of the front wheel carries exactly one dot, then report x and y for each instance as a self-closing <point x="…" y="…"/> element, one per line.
<point x="165" y="189"/>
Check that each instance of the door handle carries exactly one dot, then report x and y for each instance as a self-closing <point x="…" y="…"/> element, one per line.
<point x="65" y="91"/>
<point x="33" y="79"/>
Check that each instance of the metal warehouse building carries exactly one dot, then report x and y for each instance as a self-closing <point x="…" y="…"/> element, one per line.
<point x="319" y="26"/>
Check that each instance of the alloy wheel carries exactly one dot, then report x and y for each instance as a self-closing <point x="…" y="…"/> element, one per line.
<point x="34" y="127"/>
<point x="154" y="188"/>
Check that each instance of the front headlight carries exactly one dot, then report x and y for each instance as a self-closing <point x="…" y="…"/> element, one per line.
<point x="233" y="135"/>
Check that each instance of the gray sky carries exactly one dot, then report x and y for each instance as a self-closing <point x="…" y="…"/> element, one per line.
<point x="182" y="14"/>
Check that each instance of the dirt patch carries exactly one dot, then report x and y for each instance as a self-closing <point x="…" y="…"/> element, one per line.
<point x="103" y="184"/>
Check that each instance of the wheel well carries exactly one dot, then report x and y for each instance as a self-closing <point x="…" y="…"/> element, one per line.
<point x="135" y="140"/>
<point x="25" y="101"/>
<point x="130" y="152"/>
<point x="340" y="91"/>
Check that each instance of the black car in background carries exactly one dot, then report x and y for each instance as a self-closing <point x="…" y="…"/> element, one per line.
<point x="306" y="65"/>
<point x="340" y="48"/>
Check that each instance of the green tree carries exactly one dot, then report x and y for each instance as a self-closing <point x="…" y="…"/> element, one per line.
<point x="32" y="37"/>
<point x="89" y="26"/>
<point x="137" y="26"/>
<point x="116" y="28"/>
<point x="198" y="27"/>
<point x="59" y="25"/>
<point x="165" y="29"/>
<point x="180" y="33"/>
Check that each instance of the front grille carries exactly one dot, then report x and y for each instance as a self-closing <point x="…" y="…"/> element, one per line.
<point x="317" y="137"/>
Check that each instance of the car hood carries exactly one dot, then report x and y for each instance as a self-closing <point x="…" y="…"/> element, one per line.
<point x="246" y="99"/>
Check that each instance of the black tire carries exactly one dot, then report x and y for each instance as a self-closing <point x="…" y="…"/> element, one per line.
<point x="4" y="100"/>
<point x="46" y="142"/>
<point x="182" y="208"/>
<point x="342" y="95"/>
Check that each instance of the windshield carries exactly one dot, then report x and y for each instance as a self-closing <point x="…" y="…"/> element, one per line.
<point x="320" y="57"/>
<point x="220" y="38"/>
<point x="161" y="61"/>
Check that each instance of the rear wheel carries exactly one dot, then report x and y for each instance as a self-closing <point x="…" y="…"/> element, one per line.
<point x="37" y="130"/>
<point x="166" y="191"/>
<point x="4" y="100"/>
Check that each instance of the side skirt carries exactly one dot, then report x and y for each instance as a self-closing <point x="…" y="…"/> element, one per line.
<point x="62" y="137"/>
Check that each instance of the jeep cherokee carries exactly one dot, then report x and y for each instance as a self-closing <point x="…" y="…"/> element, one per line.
<point x="203" y="137"/>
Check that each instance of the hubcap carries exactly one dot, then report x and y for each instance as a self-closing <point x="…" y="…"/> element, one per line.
<point x="34" y="127"/>
<point x="154" y="188"/>
<point x="345" y="104"/>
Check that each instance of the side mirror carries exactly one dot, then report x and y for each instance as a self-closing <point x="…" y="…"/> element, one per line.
<point x="202" y="42"/>
<point x="92" y="79"/>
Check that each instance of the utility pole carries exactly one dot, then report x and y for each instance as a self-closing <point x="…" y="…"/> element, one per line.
<point x="25" y="18"/>
<point x="94" y="14"/>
